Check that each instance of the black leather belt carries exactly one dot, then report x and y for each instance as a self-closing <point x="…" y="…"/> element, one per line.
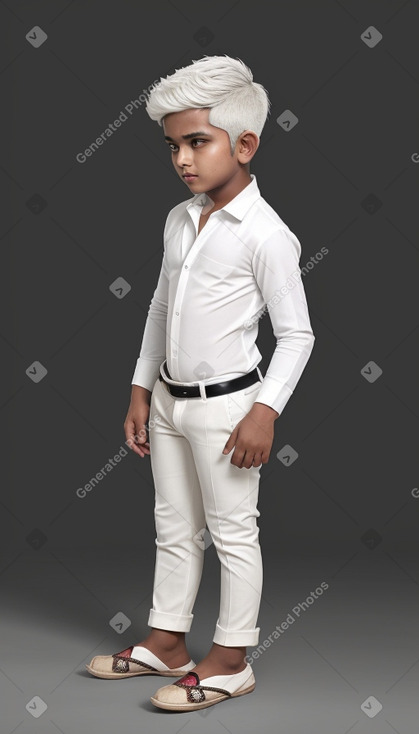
<point x="219" y="388"/>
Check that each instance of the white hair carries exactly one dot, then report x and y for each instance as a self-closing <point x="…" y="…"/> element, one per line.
<point x="220" y="83"/>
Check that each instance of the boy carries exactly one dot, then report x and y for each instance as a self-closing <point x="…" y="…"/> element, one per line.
<point x="227" y="257"/>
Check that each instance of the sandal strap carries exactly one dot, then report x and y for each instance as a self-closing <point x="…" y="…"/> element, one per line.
<point x="121" y="660"/>
<point x="195" y="692"/>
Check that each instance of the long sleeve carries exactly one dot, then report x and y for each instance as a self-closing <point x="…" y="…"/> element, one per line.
<point x="277" y="273"/>
<point x="153" y="346"/>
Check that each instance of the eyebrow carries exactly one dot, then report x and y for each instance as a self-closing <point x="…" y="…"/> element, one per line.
<point x="189" y="135"/>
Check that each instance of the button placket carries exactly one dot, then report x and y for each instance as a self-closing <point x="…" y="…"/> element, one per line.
<point x="180" y="293"/>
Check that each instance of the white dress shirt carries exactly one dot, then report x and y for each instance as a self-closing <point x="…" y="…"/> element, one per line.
<point x="213" y="288"/>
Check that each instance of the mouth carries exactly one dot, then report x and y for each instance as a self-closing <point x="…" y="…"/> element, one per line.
<point x="189" y="176"/>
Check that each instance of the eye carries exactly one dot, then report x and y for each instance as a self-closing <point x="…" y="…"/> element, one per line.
<point x="174" y="148"/>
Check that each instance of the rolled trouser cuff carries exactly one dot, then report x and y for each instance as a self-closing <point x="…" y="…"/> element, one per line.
<point x="236" y="638"/>
<point x="172" y="622"/>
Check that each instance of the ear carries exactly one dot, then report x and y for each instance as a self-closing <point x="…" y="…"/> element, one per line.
<point x="246" y="146"/>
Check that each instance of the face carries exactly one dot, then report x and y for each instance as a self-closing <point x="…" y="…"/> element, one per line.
<point x="199" y="148"/>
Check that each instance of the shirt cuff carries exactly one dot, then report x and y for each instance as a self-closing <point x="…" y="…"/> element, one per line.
<point x="146" y="373"/>
<point x="274" y="394"/>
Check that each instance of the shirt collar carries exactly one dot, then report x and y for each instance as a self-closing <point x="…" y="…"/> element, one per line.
<point x="238" y="206"/>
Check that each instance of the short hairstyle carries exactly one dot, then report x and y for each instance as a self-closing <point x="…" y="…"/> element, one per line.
<point x="220" y="83"/>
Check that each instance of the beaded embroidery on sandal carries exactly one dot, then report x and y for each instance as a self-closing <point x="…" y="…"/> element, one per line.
<point x="134" y="660"/>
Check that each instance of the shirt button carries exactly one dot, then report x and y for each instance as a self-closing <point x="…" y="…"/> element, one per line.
<point x="186" y="267"/>
<point x="177" y="313"/>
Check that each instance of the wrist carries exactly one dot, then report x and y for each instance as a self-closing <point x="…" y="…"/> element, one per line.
<point x="265" y="412"/>
<point x="140" y="393"/>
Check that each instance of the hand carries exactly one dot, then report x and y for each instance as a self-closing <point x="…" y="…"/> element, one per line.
<point x="135" y="425"/>
<point x="253" y="437"/>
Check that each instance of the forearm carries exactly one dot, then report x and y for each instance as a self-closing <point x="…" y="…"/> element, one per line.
<point x="153" y="346"/>
<point x="285" y="369"/>
<point x="140" y="394"/>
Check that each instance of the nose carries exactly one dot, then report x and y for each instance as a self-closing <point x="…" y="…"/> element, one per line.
<point x="184" y="157"/>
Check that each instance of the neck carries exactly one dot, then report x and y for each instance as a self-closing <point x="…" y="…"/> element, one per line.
<point x="223" y="194"/>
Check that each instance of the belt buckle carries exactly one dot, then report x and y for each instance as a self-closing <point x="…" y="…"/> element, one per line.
<point x="179" y="392"/>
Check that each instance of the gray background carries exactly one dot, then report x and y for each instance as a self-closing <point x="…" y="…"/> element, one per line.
<point x="345" y="512"/>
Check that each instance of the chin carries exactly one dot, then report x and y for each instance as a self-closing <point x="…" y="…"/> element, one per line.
<point x="195" y="185"/>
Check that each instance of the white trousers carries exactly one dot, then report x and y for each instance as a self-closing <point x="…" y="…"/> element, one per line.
<point x="197" y="486"/>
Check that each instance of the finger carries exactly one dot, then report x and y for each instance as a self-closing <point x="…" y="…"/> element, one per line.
<point x="251" y="460"/>
<point x="230" y="442"/>
<point x="131" y="439"/>
<point x="237" y="458"/>
<point x="247" y="460"/>
<point x="137" y="441"/>
<point x="142" y="449"/>
<point x="141" y="436"/>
